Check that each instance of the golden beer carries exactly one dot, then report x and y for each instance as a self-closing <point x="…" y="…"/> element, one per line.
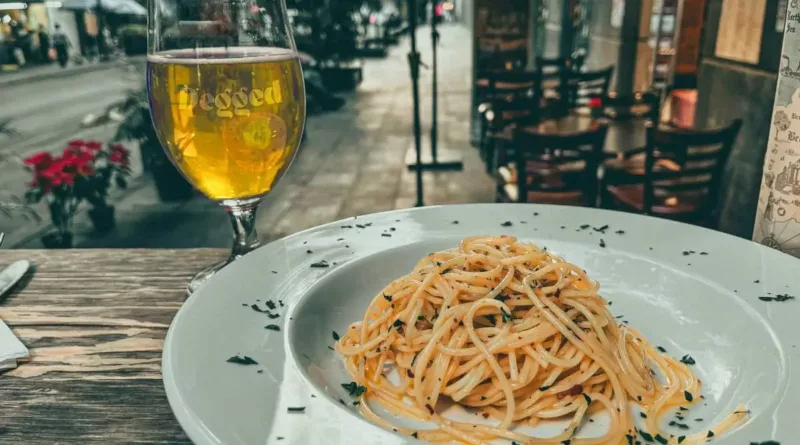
<point x="231" y="119"/>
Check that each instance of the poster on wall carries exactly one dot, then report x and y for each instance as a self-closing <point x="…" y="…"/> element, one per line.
<point x="780" y="17"/>
<point x="741" y="27"/>
<point x="502" y="42"/>
<point x="777" y="221"/>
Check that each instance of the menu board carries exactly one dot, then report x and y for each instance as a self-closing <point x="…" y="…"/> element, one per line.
<point x="502" y="42"/>
<point x="777" y="222"/>
<point x="741" y="26"/>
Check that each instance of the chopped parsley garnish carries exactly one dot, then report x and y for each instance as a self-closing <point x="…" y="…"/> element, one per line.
<point x="501" y="297"/>
<point x="387" y="235"/>
<point x="585" y="226"/>
<point x="309" y="251"/>
<point x="507" y="224"/>
<point x="415" y="435"/>
<point x="506" y="316"/>
<point x="687" y="360"/>
<point x="688" y="396"/>
<point x="455" y="222"/>
<point x="354" y="389"/>
<point x="682" y="426"/>
<point x="273" y="327"/>
<point x="297" y="409"/>
<point x="643" y="415"/>
<point x="681" y="439"/>
<point x="387" y="297"/>
<point x="602" y="243"/>
<point x="646" y="436"/>
<point x="241" y="360"/>
<point x="661" y="349"/>
<point x="601" y="229"/>
<point x="587" y="398"/>
<point x="446" y="270"/>
<point x="335" y="336"/>
<point x="421" y="318"/>
<point x="272" y="316"/>
<point x="710" y="433"/>
<point x="620" y="232"/>
<point x="320" y="264"/>
<point x="491" y="318"/>
<point x="769" y="442"/>
<point x="779" y="298"/>
<point x="347" y="227"/>
<point x="660" y="439"/>
<point x="270" y="304"/>
<point x="258" y="309"/>
<point x="398" y="323"/>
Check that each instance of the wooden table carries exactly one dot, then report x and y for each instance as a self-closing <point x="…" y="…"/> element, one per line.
<point x="623" y="135"/>
<point x="94" y="321"/>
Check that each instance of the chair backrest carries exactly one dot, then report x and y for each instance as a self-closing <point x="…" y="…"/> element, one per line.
<point x="687" y="162"/>
<point x="637" y="105"/>
<point x="565" y="162"/>
<point x="580" y="88"/>
<point x="511" y="84"/>
<point x="553" y="67"/>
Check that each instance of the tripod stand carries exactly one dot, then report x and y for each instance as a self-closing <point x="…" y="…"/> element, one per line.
<point x="429" y="160"/>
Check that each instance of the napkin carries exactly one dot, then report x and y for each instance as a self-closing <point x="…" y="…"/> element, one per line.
<point x="10" y="348"/>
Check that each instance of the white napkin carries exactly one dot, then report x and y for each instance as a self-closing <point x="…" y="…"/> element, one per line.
<point x="10" y="348"/>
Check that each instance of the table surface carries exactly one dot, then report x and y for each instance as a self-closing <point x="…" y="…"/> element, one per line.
<point x="623" y="135"/>
<point x="94" y="322"/>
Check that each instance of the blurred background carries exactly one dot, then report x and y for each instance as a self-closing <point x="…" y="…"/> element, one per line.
<point x="72" y="74"/>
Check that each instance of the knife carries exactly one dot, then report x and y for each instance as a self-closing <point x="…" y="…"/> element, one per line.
<point x="11" y="275"/>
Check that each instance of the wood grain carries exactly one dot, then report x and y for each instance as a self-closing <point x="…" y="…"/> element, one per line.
<point x="94" y="321"/>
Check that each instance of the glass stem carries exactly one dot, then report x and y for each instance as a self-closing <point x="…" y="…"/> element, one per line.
<point x="243" y="219"/>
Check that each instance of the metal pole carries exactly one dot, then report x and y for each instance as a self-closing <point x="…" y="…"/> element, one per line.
<point x="435" y="117"/>
<point x="413" y="62"/>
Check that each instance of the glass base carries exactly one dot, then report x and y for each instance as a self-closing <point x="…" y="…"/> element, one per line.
<point x="203" y="276"/>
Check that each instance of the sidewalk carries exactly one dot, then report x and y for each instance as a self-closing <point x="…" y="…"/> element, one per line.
<point x="54" y="70"/>
<point x="351" y="163"/>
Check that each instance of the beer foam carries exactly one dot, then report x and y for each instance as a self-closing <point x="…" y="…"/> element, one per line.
<point x="239" y="54"/>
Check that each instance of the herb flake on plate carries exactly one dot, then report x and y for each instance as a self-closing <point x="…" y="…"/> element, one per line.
<point x="335" y="336"/>
<point x="273" y="327"/>
<point x="320" y="264"/>
<point x="354" y="389"/>
<point x="687" y="360"/>
<point x="780" y="298"/>
<point x="241" y="360"/>
<point x="507" y="224"/>
<point x="296" y="409"/>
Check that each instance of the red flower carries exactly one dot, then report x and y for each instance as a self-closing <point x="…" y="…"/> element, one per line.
<point x="595" y="102"/>
<point x="39" y="161"/>
<point x="119" y="155"/>
<point x="76" y="143"/>
<point x="79" y="161"/>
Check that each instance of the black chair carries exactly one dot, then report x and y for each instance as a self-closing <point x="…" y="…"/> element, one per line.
<point x="642" y="105"/>
<point x="580" y="88"/>
<point x="553" y="168"/>
<point x="682" y="174"/>
<point x="510" y="97"/>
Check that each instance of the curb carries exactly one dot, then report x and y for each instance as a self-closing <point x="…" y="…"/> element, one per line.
<point x="73" y="71"/>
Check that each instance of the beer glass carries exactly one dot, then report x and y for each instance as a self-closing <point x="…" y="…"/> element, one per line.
<point x="227" y="101"/>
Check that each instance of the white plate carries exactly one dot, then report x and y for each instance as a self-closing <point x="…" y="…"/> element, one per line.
<point x="692" y="291"/>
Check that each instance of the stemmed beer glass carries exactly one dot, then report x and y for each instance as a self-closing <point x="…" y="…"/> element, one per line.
<point x="227" y="100"/>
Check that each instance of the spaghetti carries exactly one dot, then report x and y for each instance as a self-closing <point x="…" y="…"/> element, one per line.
<point x="515" y="333"/>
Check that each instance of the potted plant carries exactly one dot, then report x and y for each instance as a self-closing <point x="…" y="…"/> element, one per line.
<point x="83" y="172"/>
<point x="54" y="180"/>
<point x="136" y="125"/>
<point x="110" y="165"/>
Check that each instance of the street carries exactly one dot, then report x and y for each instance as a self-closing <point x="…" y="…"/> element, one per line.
<point x="48" y="112"/>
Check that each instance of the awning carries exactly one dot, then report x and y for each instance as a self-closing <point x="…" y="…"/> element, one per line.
<point x="121" y="7"/>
